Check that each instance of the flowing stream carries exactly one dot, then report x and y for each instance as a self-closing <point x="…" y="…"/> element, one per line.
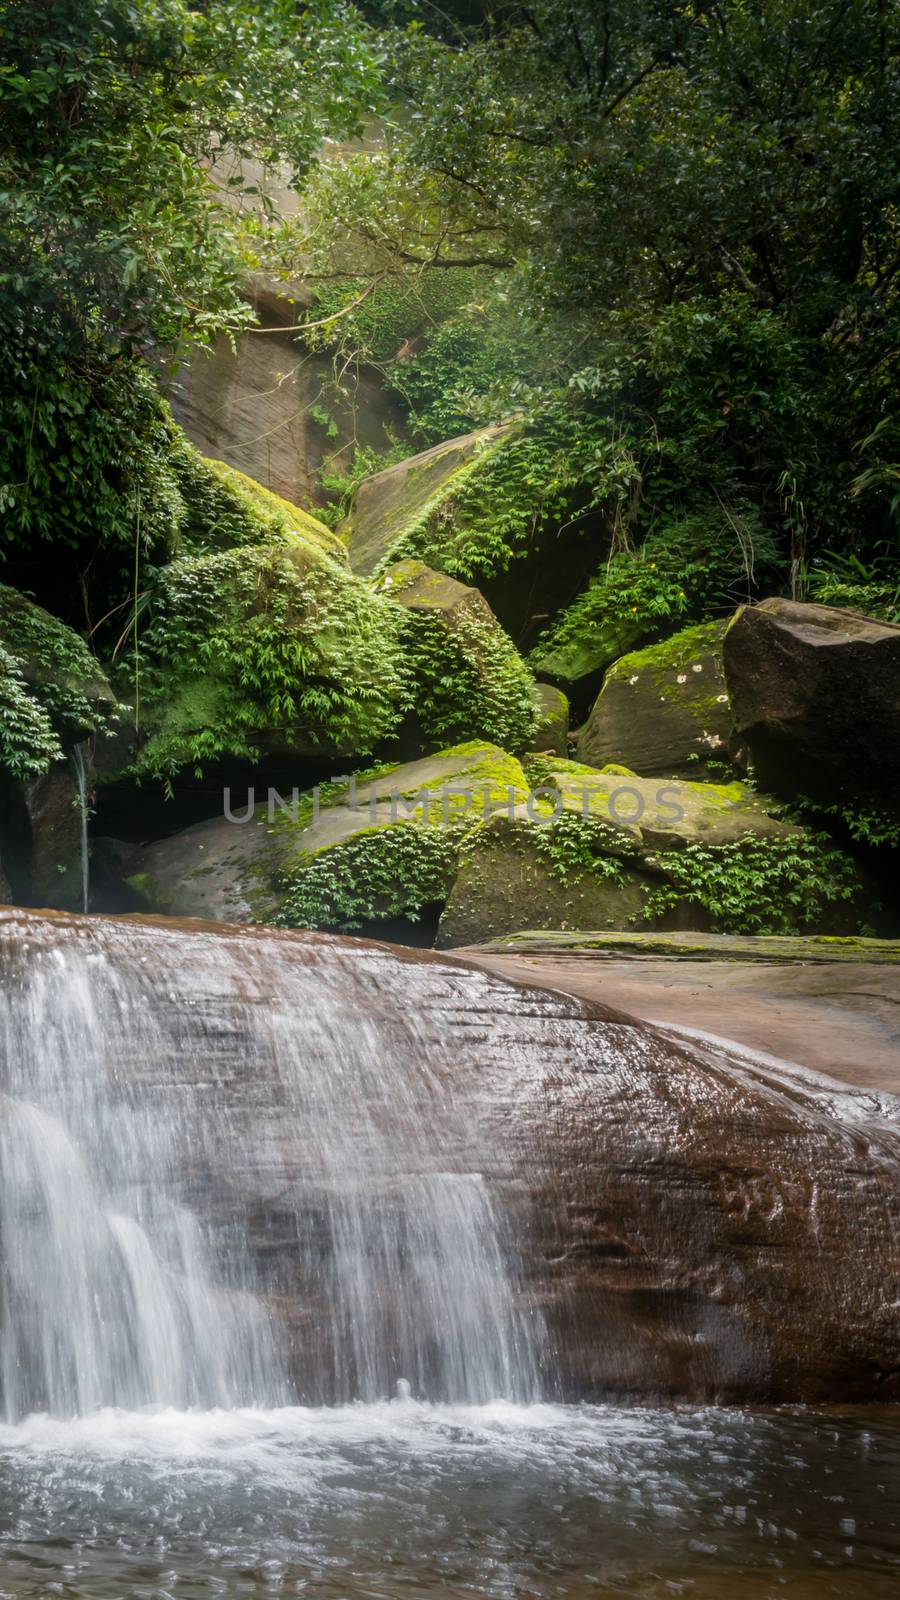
<point x="266" y="1324"/>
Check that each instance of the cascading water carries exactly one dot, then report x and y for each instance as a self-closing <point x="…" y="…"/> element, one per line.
<point x="128" y="1276"/>
<point x="80" y="769"/>
<point x="246" y="1175"/>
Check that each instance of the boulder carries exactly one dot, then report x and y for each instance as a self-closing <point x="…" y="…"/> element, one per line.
<point x="403" y="500"/>
<point x="656" y="814"/>
<point x="663" y="710"/>
<point x="467" y="676"/>
<point x="594" y="864"/>
<point x="270" y="647"/>
<point x="686" y="1223"/>
<point x="508" y="879"/>
<point x="576" y="655"/>
<point x="552" y="707"/>
<point x="370" y="847"/>
<point x="225" y="509"/>
<point x="269" y="409"/>
<point x="815" y="696"/>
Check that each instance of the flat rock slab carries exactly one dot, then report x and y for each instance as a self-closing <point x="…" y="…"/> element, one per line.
<point x="824" y="1008"/>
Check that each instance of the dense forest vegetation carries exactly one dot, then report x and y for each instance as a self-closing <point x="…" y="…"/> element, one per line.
<point x="657" y="241"/>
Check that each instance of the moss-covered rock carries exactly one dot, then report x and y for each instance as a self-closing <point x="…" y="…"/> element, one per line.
<point x="53" y="697"/>
<point x="372" y="847"/>
<point x="509" y="877"/>
<point x="225" y="509"/>
<point x="268" y="647"/>
<point x="663" y="710"/>
<point x="552" y="708"/>
<point x="656" y="813"/>
<point x="407" y="510"/>
<point x="466" y="675"/>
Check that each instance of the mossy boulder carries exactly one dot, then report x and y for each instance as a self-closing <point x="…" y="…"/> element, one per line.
<point x="53" y="697"/>
<point x="406" y="509"/>
<point x="271" y="647"/>
<point x="663" y="710"/>
<point x="52" y="689"/>
<point x="374" y="846"/>
<point x="552" y="708"/>
<point x="510" y="877"/>
<point x="658" y="814"/>
<point x="467" y="676"/>
<point x="224" y="509"/>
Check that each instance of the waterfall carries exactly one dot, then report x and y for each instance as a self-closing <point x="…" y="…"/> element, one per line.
<point x="196" y="1131"/>
<point x="80" y="769"/>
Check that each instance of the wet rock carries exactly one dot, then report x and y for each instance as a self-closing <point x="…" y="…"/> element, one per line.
<point x="815" y="694"/>
<point x="663" y="710"/>
<point x="682" y="1224"/>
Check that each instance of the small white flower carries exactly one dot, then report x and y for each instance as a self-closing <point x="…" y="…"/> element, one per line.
<point x="682" y="677"/>
<point x="722" y="699"/>
<point x="634" y="677"/>
<point x="697" y="667"/>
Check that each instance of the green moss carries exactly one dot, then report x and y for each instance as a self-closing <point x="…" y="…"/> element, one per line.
<point x="673" y="654"/>
<point x="465" y="674"/>
<point x="225" y="509"/>
<point x="272" y="642"/>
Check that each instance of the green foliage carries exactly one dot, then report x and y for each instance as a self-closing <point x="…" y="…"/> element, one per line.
<point x="866" y="825"/>
<point x="556" y="469"/>
<point x="114" y="238"/>
<point x="341" y="481"/>
<point x="28" y="744"/>
<point x="573" y="846"/>
<point x="467" y="680"/>
<point x="111" y="112"/>
<point x="757" y="885"/>
<point x="379" y="873"/>
<point x="266" y="643"/>
<point x="393" y="312"/>
<point x="841" y="578"/>
<point x="686" y="571"/>
<point x="470" y="368"/>
<point x="51" y="689"/>
<point x="224" y="509"/>
<point x="83" y="450"/>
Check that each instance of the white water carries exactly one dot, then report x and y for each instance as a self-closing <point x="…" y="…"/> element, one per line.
<point x="80" y="768"/>
<point x="374" y="1502"/>
<point x="136" y="1115"/>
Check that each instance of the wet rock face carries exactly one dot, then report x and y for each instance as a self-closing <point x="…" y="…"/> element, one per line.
<point x="815" y="694"/>
<point x="676" y="1222"/>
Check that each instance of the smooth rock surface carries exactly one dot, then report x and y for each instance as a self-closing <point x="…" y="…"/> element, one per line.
<point x="830" y="1005"/>
<point x="815" y="693"/>
<point x="251" y="405"/>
